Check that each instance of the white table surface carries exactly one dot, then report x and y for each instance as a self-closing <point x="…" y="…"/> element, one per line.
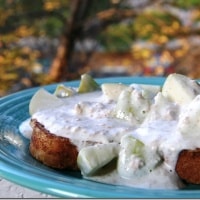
<point x="12" y="190"/>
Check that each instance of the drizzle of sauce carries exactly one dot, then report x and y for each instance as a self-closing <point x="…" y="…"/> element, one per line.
<point x="90" y="117"/>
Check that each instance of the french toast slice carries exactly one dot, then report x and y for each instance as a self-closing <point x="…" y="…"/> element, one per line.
<point x="188" y="166"/>
<point x="52" y="150"/>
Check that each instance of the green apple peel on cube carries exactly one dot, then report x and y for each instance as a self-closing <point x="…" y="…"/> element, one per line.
<point x="87" y="84"/>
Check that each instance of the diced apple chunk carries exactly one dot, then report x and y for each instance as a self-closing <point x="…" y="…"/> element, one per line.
<point x="132" y="106"/>
<point x="92" y="158"/>
<point x="180" y="89"/>
<point x="62" y="91"/>
<point x="189" y="120"/>
<point x="113" y="90"/>
<point x="135" y="158"/>
<point x="87" y="84"/>
<point x="42" y="99"/>
<point x="148" y="91"/>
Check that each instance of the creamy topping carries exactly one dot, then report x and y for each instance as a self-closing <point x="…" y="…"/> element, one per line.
<point x="92" y="117"/>
<point x="86" y="118"/>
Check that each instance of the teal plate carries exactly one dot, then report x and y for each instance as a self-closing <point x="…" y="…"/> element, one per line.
<point x="17" y="165"/>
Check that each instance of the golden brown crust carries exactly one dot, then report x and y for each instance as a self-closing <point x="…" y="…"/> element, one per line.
<point x="52" y="150"/>
<point x="188" y="166"/>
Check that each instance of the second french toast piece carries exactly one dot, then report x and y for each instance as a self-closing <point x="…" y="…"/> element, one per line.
<point x="188" y="166"/>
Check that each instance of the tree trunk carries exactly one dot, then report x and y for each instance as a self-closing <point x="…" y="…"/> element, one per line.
<point x="61" y="70"/>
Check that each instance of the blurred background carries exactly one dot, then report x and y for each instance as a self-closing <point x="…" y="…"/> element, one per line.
<point x="49" y="41"/>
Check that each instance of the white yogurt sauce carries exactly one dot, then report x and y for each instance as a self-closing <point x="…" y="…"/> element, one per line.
<point x="89" y="117"/>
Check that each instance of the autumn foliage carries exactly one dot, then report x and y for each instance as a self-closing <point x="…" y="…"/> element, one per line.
<point x="47" y="41"/>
